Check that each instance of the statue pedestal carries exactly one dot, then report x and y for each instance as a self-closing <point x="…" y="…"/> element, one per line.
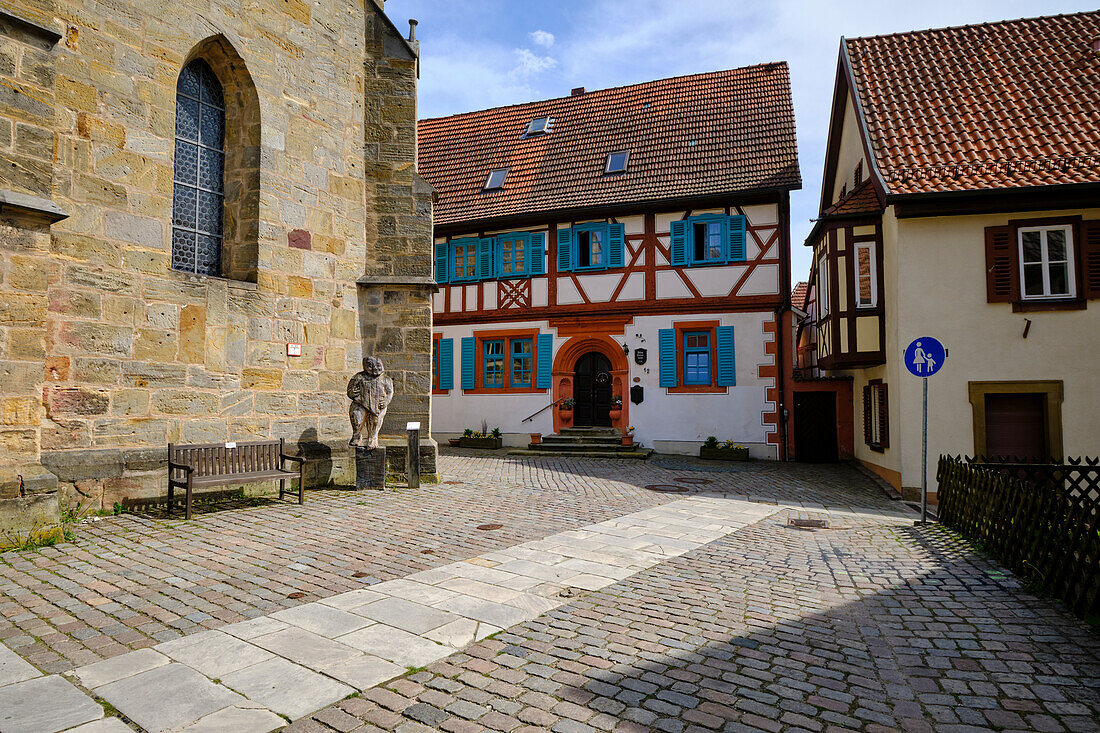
<point x="370" y="468"/>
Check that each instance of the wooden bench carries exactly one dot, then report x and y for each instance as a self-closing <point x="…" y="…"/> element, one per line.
<point x="223" y="464"/>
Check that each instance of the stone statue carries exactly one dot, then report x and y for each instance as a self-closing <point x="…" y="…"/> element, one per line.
<point x="370" y="392"/>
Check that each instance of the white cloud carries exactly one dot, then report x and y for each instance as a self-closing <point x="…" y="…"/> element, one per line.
<point x="542" y="38"/>
<point x="528" y="63"/>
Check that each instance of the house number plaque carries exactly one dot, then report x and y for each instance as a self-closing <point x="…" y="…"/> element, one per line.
<point x="639" y="356"/>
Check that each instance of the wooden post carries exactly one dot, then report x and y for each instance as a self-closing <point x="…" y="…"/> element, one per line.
<point x="412" y="465"/>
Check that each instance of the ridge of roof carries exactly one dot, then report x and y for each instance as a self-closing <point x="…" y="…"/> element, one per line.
<point x="968" y="26"/>
<point x="590" y="92"/>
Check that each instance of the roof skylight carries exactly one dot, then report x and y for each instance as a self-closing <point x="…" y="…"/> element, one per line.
<point x="616" y="162"/>
<point x="539" y="126"/>
<point x="496" y="179"/>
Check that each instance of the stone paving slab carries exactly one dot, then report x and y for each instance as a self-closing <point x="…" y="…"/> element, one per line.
<point x="45" y="705"/>
<point x="167" y="697"/>
<point x="13" y="668"/>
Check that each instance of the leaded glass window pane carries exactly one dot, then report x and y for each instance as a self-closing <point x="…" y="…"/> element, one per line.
<point x="199" y="187"/>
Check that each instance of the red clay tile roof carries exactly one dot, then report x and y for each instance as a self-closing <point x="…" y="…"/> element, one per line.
<point x="798" y="295"/>
<point x="995" y="105"/>
<point x="863" y="200"/>
<point x="699" y="135"/>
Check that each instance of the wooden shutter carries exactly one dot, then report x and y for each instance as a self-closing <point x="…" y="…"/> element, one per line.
<point x="883" y="417"/>
<point x="536" y="256"/>
<point x="666" y="347"/>
<point x="1090" y="258"/>
<point x="442" y="262"/>
<point x="446" y="363"/>
<point x="1001" y="266"/>
<point x="735" y="239"/>
<point x="679" y="244"/>
<point x="565" y="250"/>
<point x="868" y="429"/>
<point x="616" y="245"/>
<point x="485" y="261"/>
<point x="468" y="346"/>
<point x="727" y="363"/>
<point x="544" y="359"/>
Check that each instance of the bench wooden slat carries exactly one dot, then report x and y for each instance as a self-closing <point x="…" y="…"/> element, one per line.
<point x="218" y="464"/>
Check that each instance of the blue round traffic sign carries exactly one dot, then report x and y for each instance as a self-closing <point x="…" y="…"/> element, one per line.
<point x="925" y="356"/>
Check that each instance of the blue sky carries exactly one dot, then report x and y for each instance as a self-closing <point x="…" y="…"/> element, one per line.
<point x="484" y="53"/>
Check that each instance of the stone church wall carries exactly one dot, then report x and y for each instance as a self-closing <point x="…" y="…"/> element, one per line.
<point x="107" y="354"/>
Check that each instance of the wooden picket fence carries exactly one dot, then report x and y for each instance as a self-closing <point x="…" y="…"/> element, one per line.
<point x="1042" y="520"/>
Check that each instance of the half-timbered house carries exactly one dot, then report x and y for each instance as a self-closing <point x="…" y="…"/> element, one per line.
<point x="616" y="258"/>
<point x="961" y="200"/>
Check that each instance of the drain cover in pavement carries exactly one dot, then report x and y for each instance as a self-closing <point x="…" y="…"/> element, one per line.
<point x="693" y="480"/>
<point x="489" y="526"/>
<point x="296" y="594"/>
<point x="808" y="523"/>
<point x="667" y="488"/>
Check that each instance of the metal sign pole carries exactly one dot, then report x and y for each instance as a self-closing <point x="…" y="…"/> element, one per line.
<point x="924" y="459"/>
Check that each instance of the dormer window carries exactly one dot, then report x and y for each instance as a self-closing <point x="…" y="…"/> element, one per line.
<point x="539" y="126"/>
<point x="496" y="179"/>
<point x="616" y="162"/>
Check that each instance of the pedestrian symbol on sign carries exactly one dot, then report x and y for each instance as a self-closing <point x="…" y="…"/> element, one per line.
<point x="925" y="356"/>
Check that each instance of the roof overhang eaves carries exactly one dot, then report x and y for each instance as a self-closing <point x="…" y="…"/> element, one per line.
<point x="634" y="205"/>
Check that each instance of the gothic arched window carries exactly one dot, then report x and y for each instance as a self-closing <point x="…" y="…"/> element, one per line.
<point x="199" y="189"/>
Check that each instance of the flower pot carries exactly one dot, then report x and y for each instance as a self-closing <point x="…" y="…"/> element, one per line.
<point x="487" y="443"/>
<point x="724" y="454"/>
<point x="454" y="442"/>
<point x="615" y="413"/>
<point x="566" y="414"/>
<point x="536" y="438"/>
<point x="628" y="440"/>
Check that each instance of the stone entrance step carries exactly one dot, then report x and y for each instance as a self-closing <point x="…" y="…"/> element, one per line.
<point x="585" y="452"/>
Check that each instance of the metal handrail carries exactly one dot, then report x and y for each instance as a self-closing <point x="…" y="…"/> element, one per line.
<point x="544" y="409"/>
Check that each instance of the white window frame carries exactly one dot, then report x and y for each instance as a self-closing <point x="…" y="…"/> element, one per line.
<point x="532" y="130"/>
<point x="1045" y="261"/>
<point x="870" y="247"/>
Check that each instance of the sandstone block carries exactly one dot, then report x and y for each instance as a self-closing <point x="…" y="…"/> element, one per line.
<point x="126" y="431"/>
<point x="184" y="402"/>
<point x="155" y="375"/>
<point x="255" y="378"/>
<point x="57" y="368"/>
<point x="69" y="401"/>
<point x="22" y="411"/>
<point x="192" y="340"/>
<point x="26" y="308"/>
<point x="95" y="338"/>
<point x="130" y="402"/>
<point x="95" y="370"/>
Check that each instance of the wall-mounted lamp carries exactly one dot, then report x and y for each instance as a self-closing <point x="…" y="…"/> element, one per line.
<point x="626" y="349"/>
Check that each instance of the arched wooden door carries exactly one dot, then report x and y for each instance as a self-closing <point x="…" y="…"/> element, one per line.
<point x="592" y="391"/>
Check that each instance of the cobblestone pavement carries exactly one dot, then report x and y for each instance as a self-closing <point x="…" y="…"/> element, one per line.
<point x="132" y="581"/>
<point x="868" y="625"/>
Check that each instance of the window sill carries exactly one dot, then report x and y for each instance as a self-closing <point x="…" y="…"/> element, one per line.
<point x="697" y="389"/>
<point x="436" y="390"/>
<point x="877" y="447"/>
<point x="1033" y="306"/>
<point x="195" y="279"/>
<point x="504" y="390"/>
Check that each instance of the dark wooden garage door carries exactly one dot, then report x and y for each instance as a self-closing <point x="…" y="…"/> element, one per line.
<point x="1015" y="425"/>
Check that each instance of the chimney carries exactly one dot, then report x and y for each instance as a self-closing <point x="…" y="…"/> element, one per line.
<point x="412" y="29"/>
<point x="577" y="91"/>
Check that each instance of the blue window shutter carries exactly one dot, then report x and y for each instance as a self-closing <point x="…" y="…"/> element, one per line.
<point x="679" y="244"/>
<point x="565" y="250"/>
<point x="727" y="361"/>
<point x="442" y="262"/>
<point x="616" y="245"/>
<point x="735" y="251"/>
<point x="536" y="256"/>
<point x="468" y="346"/>
<point x="446" y="363"/>
<point x="544" y="357"/>
<point x="666" y="346"/>
<point x="485" y="264"/>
